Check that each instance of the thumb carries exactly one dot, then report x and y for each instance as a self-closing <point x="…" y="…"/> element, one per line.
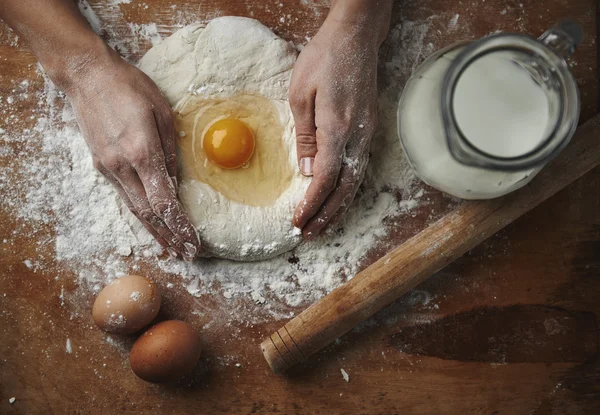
<point x="306" y="148"/>
<point x="306" y="133"/>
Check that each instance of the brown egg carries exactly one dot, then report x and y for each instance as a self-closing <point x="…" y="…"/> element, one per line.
<point x="166" y="351"/>
<point x="126" y="305"/>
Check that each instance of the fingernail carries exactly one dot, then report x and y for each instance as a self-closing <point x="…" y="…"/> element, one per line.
<point x="306" y="166"/>
<point x="172" y="252"/>
<point x="191" y="249"/>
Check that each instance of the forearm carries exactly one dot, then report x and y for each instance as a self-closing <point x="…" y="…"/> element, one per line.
<point x="56" y="33"/>
<point x="371" y="16"/>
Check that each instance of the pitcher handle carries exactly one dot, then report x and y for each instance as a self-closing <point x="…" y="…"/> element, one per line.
<point x="563" y="38"/>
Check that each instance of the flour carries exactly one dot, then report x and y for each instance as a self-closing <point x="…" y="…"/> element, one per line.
<point x="90" y="16"/>
<point x="97" y="239"/>
<point x="129" y="40"/>
<point x="453" y="22"/>
<point x="345" y="375"/>
<point x="146" y="31"/>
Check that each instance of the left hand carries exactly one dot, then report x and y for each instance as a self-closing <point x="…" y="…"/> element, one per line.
<point x="333" y="97"/>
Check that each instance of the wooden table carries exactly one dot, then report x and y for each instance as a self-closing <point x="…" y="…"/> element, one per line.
<point x="510" y="328"/>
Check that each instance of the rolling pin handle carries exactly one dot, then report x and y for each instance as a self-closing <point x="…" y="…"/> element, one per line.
<point x="280" y="351"/>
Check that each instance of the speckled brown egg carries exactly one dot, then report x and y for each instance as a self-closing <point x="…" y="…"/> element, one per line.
<point x="126" y="305"/>
<point x="165" y="352"/>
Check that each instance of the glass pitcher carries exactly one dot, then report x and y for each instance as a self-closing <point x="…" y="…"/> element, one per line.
<point x="480" y="119"/>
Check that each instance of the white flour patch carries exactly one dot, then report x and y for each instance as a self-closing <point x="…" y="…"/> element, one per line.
<point x="314" y="5"/>
<point x="97" y="239"/>
<point x="345" y="375"/>
<point x="89" y="14"/>
<point x="453" y="22"/>
<point x="147" y="32"/>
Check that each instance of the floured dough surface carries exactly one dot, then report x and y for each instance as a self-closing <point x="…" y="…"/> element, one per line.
<point x="233" y="68"/>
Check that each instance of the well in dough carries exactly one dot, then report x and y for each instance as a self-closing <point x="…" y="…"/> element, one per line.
<point x="233" y="68"/>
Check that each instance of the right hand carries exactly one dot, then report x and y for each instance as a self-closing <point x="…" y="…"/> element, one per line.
<point x="129" y="128"/>
<point x="335" y="119"/>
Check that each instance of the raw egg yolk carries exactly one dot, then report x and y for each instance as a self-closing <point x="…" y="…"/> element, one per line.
<point x="229" y="143"/>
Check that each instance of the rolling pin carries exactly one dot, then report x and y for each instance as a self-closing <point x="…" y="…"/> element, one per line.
<point x="423" y="255"/>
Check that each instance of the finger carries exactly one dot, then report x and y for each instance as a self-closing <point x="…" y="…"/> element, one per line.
<point x="328" y="161"/>
<point x="133" y="186"/>
<point x="303" y="110"/>
<point x="164" y="203"/>
<point x="123" y="194"/>
<point x="354" y="150"/>
<point x="346" y="203"/>
<point x="162" y="241"/>
<point x="351" y="176"/>
<point x="341" y="197"/>
<point x="165" y="123"/>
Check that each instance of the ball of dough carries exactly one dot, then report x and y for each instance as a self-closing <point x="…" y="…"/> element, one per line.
<point x="234" y="68"/>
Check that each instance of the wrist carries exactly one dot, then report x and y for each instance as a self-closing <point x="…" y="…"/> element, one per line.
<point x="370" y="18"/>
<point x="82" y="61"/>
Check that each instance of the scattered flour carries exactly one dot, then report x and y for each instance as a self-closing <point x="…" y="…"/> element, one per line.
<point x="130" y="39"/>
<point x="146" y="31"/>
<point x="98" y="239"/>
<point x="313" y="5"/>
<point x="453" y="22"/>
<point x="87" y="12"/>
<point x="345" y="375"/>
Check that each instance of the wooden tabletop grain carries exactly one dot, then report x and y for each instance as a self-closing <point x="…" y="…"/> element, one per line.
<point x="510" y="328"/>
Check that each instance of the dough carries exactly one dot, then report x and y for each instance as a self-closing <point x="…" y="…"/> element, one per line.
<point x="233" y="68"/>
